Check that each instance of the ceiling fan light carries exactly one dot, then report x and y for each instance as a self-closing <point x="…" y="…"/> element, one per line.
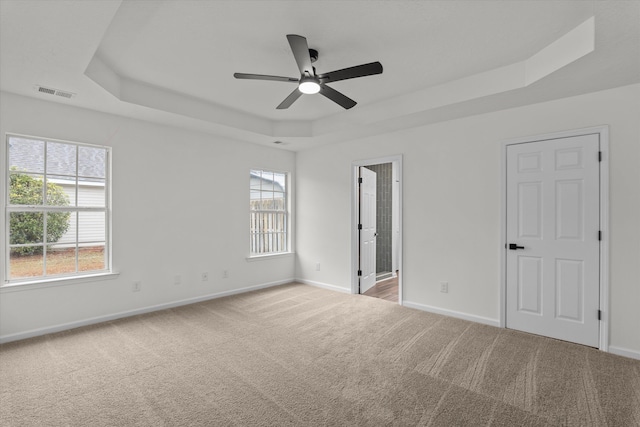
<point x="309" y="86"/>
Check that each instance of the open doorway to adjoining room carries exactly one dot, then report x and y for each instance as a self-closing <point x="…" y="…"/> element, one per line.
<point x="377" y="228"/>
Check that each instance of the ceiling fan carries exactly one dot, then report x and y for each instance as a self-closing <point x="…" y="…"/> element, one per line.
<point x="310" y="82"/>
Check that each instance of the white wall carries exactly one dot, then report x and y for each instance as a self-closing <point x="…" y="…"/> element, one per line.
<point x="179" y="200"/>
<point x="451" y="210"/>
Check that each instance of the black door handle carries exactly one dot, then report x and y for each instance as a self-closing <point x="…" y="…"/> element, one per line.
<point x="514" y="246"/>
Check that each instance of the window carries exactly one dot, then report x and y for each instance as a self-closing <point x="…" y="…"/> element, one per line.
<point x="57" y="209"/>
<point x="269" y="219"/>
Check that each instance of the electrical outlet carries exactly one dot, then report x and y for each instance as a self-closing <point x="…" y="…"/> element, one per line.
<point x="136" y="287"/>
<point x="444" y="287"/>
<point x="225" y="274"/>
<point x="177" y="280"/>
<point x="205" y="277"/>
<point x="317" y="266"/>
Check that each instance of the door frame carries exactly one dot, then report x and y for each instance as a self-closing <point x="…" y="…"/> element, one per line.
<point x="603" y="136"/>
<point x="396" y="160"/>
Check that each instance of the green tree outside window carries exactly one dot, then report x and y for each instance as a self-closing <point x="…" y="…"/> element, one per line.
<point x="28" y="227"/>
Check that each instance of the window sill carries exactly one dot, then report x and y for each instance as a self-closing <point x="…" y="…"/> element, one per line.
<point x="269" y="256"/>
<point x="53" y="282"/>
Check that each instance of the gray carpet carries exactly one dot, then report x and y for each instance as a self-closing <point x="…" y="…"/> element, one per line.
<point x="296" y="355"/>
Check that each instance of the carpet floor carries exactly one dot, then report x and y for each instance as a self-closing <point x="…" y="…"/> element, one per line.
<point x="296" y="355"/>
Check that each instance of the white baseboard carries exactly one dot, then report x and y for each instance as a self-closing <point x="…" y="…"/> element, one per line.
<point x="409" y="304"/>
<point x="324" y="286"/>
<point x="99" y="319"/>
<point x="451" y="313"/>
<point x="621" y="351"/>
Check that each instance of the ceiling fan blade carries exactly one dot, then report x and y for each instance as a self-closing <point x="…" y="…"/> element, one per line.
<point x="337" y="97"/>
<point x="352" y="72"/>
<point x="300" y="50"/>
<point x="264" y="77"/>
<point x="289" y="99"/>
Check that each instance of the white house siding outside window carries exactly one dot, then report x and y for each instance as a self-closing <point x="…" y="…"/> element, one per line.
<point x="57" y="209"/>
<point x="269" y="217"/>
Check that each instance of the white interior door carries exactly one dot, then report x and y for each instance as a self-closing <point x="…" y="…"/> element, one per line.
<point x="368" y="232"/>
<point x="553" y="217"/>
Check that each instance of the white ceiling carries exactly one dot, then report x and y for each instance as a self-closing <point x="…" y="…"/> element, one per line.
<point x="173" y="61"/>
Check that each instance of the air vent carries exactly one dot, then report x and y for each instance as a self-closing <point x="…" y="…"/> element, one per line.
<point x="56" y="92"/>
<point x="64" y="94"/>
<point x="46" y="90"/>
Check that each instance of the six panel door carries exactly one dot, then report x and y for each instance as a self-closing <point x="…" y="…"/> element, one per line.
<point x="553" y="217"/>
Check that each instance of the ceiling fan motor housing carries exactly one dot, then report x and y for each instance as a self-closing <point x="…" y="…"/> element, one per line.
<point x="313" y="54"/>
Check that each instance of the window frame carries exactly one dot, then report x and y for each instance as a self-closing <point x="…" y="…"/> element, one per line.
<point x="76" y="209"/>
<point x="286" y="212"/>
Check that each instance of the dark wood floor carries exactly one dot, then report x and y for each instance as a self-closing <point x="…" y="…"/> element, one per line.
<point x="385" y="289"/>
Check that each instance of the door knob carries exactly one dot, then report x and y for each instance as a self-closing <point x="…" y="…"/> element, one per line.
<point x="513" y="246"/>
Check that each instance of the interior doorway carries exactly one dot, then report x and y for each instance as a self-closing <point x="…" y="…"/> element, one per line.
<point x="376" y="228"/>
